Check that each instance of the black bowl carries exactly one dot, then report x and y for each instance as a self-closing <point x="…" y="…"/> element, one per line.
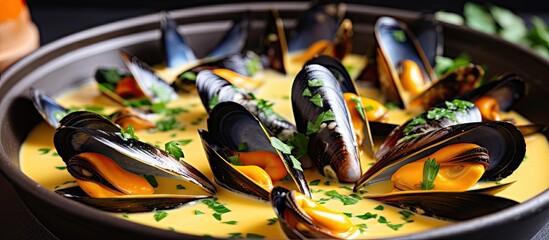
<point x="73" y="59"/>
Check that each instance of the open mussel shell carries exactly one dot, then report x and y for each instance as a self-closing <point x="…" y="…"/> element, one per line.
<point x="50" y="110"/>
<point x="214" y="89"/>
<point x="320" y="22"/>
<point x="449" y="86"/>
<point x="234" y="39"/>
<point x="274" y="47"/>
<point x="85" y="119"/>
<point x="176" y="48"/>
<point x="507" y="89"/>
<point x="448" y="205"/>
<point x="130" y="203"/>
<point x="396" y="43"/>
<point x="153" y="87"/>
<point x="338" y="70"/>
<point x="332" y="147"/>
<point x="230" y="125"/>
<point x="429" y="34"/>
<point x="133" y="155"/>
<point x="504" y="142"/>
<point x="413" y="128"/>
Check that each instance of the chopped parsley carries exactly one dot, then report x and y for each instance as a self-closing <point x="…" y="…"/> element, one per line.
<point x="430" y="170"/>
<point x="137" y="102"/>
<point x="151" y="179"/>
<point x="161" y="107"/>
<point x="168" y="124"/>
<point x="314" y="182"/>
<point x="459" y="105"/>
<point x="172" y="147"/>
<point x="253" y="65"/>
<point x="128" y="133"/>
<point x="254" y="235"/>
<point x="418" y="120"/>
<point x="307" y="93"/>
<point x="391" y="106"/>
<point x="317" y="100"/>
<point x="188" y="75"/>
<point x="213" y="101"/>
<point x="180" y="187"/>
<point x="160" y="215"/>
<point x="348" y="214"/>
<point x="230" y="222"/>
<point x="184" y="142"/>
<point x="44" y="151"/>
<point x="362" y="227"/>
<point x="61" y="167"/>
<point x="198" y="212"/>
<point x="346" y="187"/>
<point x="300" y="142"/>
<point x="405" y="214"/>
<point x="323" y="117"/>
<point x="366" y="216"/>
<point x="382" y="219"/>
<point x="395" y="226"/>
<point x="217" y="216"/>
<point x="281" y="146"/>
<point x="234" y="160"/>
<point x="379" y="207"/>
<point x="399" y="35"/>
<point x="272" y="221"/>
<point x="359" y="107"/>
<point x="315" y="83"/>
<point x="296" y="163"/>
<point x="161" y="91"/>
<point x="125" y="216"/>
<point x="216" y="206"/>
<point x="346" y="200"/>
<point x="438" y="113"/>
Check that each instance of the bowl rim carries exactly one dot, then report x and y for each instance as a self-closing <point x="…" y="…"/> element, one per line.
<point x="20" y="180"/>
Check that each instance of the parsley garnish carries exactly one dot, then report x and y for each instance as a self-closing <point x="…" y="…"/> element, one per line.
<point x="314" y="182"/>
<point x="161" y="91"/>
<point x="315" y="83"/>
<point x="459" y="105"/>
<point x="167" y="124"/>
<point x="160" y="215"/>
<point x="362" y="227"/>
<point x="188" y="75"/>
<point x="405" y="214"/>
<point x="271" y="221"/>
<point x="44" y="151"/>
<point x="253" y="65"/>
<point x="184" y="142"/>
<point x="300" y="142"/>
<point x="180" y="187"/>
<point x="61" y="167"/>
<point x="418" y="120"/>
<point x="296" y="163"/>
<point x="379" y="207"/>
<point x="395" y="226"/>
<point x="254" y="235"/>
<point x="348" y="214"/>
<point x="198" y="212"/>
<point x="346" y="187"/>
<point x="152" y="180"/>
<point x="128" y="133"/>
<point x="172" y="147"/>
<point x="359" y="107"/>
<point x="346" y="200"/>
<point x="234" y="160"/>
<point x="217" y="216"/>
<point x="216" y="206"/>
<point x="281" y="146"/>
<point x="366" y="216"/>
<point x="161" y="107"/>
<point x="323" y="117"/>
<point x="307" y="93"/>
<point x="430" y="170"/>
<point x="399" y="35"/>
<point x="317" y="100"/>
<point x="230" y="222"/>
<point x="438" y="113"/>
<point x="137" y="102"/>
<point x="213" y="101"/>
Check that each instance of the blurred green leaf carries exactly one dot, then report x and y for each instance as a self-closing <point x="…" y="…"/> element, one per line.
<point x="476" y="17"/>
<point x="512" y="26"/>
<point x="449" y="17"/>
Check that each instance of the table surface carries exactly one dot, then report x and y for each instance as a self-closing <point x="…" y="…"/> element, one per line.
<point x="51" y="18"/>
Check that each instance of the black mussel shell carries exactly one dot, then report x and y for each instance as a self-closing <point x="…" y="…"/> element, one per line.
<point x="85" y="119"/>
<point x="448" y="205"/>
<point x="274" y="46"/>
<point x="504" y="142"/>
<point x="338" y="70"/>
<point x="333" y="148"/>
<point x="234" y="39"/>
<point x="176" y="49"/>
<point x="507" y="89"/>
<point x="320" y="22"/>
<point x="429" y="34"/>
<point x="132" y="155"/>
<point x="232" y="125"/>
<point x="130" y="204"/>
<point x="50" y="110"/>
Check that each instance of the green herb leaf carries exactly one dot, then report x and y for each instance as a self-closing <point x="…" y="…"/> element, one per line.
<point x="314" y="182"/>
<point x="300" y="142"/>
<point x="213" y="101"/>
<point x="477" y="18"/>
<point x="61" y="167"/>
<point x="346" y="187"/>
<point x="405" y="214"/>
<point x="44" y="151"/>
<point x="234" y="160"/>
<point x="281" y="146"/>
<point x="188" y="75"/>
<point x="172" y="147"/>
<point x="382" y="219"/>
<point x="315" y="83"/>
<point x="217" y="216"/>
<point x="307" y="93"/>
<point x="366" y="216"/>
<point x="346" y="200"/>
<point x="253" y="65"/>
<point x="128" y="133"/>
<point x="152" y="180"/>
<point x="296" y="163"/>
<point x="160" y="215"/>
<point x="379" y="207"/>
<point x="230" y="222"/>
<point x="430" y="170"/>
<point x="235" y="235"/>
<point x="125" y="216"/>
<point x="137" y="102"/>
<point x="359" y="107"/>
<point x="438" y="113"/>
<point x="180" y="187"/>
<point x="317" y="100"/>
<point x="399" y="35"/>
<point x="323" y="117"/>
<point x="254" y="235"/>
<point x="348" y="214"/>
<point x="198" y="212"/>
<point x="512" y="26"/>
<point x="242" y="147"/>
<point x="167" y="124"/>
<point x="391" y="106"/>
<point x="450" y="17"/>
<point x="272" y="221"/>
<point x="395" y="226"/>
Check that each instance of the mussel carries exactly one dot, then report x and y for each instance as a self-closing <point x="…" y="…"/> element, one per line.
<point x="96" y="152"/>
<point x="321" y="113"/>
<point x="214" y="89"/>
<point x="176" y="48"/>
<point x="250" y="169"/>
<point x="303" y="218"/>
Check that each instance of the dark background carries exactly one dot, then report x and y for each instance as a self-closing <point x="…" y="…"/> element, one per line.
<point x="58" y="18"/>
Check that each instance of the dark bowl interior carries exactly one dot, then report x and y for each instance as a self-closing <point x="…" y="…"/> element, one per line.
<point x="73" y="59"/>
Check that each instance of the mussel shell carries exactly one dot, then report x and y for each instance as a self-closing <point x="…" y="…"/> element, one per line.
<point x="85" y="119"/>
<point x="130" y="203"/>
<point x="429" y="34"/>
<point x="507" y="89"/>
<point x="504" y="142"/>
<point x="320" y="22"/>
<point x="155" y="89"/>
<point x="285" y="206"/>
<point x="232" y="124"/>
<point x="48" y="108"/>
<point x="211" y="86"/>
<point x="449" y="205"/>
<point x="468" y="115"/>
<point x="234" y="39"/>
<point x="132" y="155"/>
<point x="450" y="86"/>
<point x="176" y="49"/>
<point x="336" y="147"/>
<point x="338" y="70"/>
<point x="274" y="46"/>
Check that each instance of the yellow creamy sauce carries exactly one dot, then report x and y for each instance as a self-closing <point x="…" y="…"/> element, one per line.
<point x="250" y="216"/>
